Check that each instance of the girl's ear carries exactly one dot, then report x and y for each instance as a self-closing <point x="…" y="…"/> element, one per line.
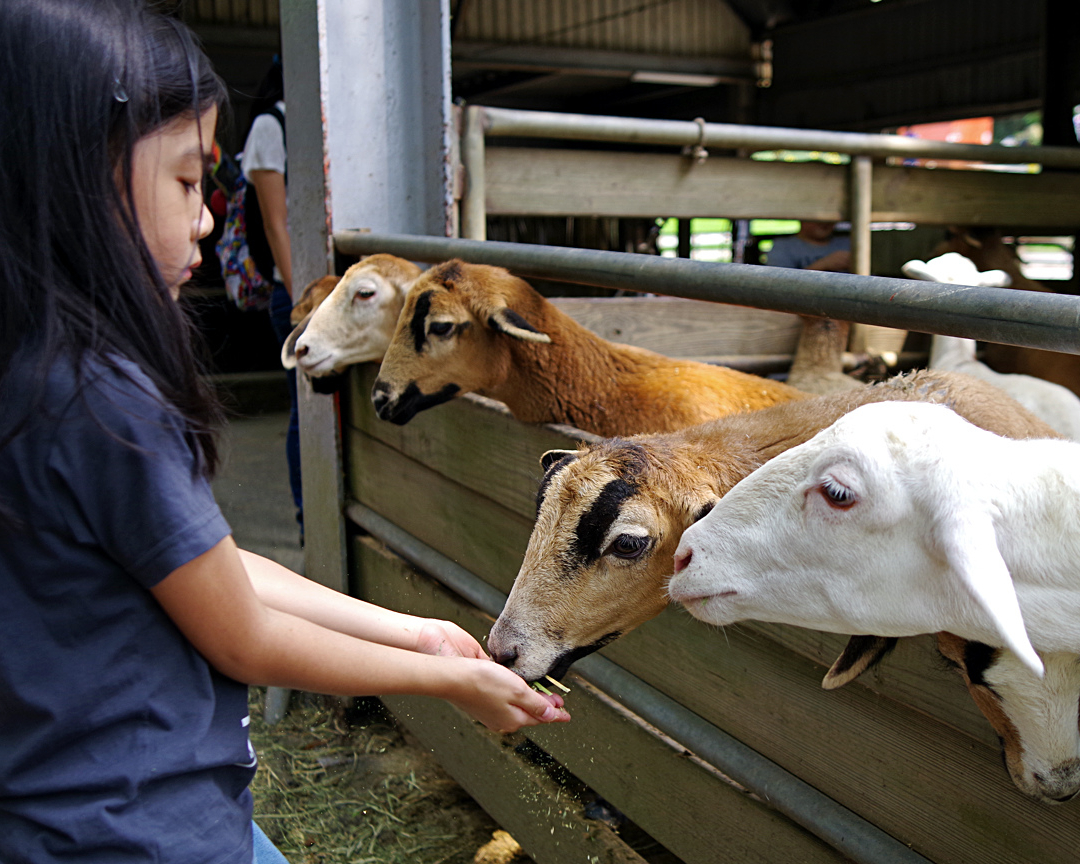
<point x="985" y="586"/>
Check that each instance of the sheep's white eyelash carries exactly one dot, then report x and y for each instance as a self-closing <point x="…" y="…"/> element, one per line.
<point x="836" y="493"/>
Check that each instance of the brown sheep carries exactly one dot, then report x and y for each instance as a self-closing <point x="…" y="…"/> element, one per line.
<point x="474" y="328"/>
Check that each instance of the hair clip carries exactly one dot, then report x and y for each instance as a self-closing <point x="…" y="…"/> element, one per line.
<point x="119" y="93"/>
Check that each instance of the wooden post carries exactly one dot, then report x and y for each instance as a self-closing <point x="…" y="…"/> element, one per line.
<point x="473" y="209"/>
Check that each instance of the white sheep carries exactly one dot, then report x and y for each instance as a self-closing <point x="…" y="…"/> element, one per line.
<point x="899" y="519"/>
<point x="355" y="321"/>
<point x="1055" y="404"/>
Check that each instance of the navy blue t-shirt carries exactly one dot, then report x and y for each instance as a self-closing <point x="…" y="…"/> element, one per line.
<point x="118" y="742"/>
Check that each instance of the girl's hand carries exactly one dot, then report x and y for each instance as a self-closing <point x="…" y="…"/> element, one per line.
<point x="501" y="700"/>
<point x="445" y="639"/>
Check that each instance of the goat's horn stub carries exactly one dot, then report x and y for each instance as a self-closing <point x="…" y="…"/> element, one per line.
<point x="860" y="653"/>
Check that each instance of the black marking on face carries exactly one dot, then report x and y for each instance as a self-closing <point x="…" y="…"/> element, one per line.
<point x="412" y="402"/>
<point x="560" y="667"/>
<point x="594" y="525"/>
<point x="511" y="317"/>
<point x="420" y="313"/>
<point x="553" y="468"/>
<point x="978" y="657"/>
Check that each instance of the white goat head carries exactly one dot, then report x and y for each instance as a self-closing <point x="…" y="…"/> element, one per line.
<point x="874" y="526"/>
<point x="952" y="268"/>
<point x="355" y="322"/>
<point x="1036" y="719"/>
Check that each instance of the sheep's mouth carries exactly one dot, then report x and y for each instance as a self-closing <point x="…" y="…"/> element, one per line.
<point x="411" y="402"/>
<point x="565" y="660"/>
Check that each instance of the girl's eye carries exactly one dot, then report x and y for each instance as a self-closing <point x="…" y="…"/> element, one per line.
<point x="629" y="546"/>
<point x="440" y="328"/>
<point x="192" y="187"/>
<point x="836" y="494"/>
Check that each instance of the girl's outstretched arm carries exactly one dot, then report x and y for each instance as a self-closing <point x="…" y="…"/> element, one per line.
<point x="213" y="602"/>
<point x="282" y="589"/>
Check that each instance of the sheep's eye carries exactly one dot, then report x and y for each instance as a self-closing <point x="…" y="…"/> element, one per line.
<point x="836" y="494"/>
<point x="628" y="546"/>
<point x="440" y="328"/>
<point x="364" y="294"/>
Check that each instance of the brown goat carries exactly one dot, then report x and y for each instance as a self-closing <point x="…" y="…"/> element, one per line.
<point x="312" y="297"/>
<point x="474" y="328"/>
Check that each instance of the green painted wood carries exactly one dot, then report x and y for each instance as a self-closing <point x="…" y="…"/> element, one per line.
<point x="681" y="803"/>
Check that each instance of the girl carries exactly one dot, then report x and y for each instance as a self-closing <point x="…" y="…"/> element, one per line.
<point x="128" y="614"/>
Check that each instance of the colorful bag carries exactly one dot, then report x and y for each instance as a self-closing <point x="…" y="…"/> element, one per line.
<point x="247" y="264"/>
<point x="245" y="285"/>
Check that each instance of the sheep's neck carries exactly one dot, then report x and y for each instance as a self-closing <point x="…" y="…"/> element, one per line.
<point x="578" y="378"/>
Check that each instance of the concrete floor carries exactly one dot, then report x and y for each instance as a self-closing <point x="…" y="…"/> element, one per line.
<point x="252" y="488"/>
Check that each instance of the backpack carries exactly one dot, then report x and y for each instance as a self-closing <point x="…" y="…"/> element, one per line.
<point x="247" y="264"/>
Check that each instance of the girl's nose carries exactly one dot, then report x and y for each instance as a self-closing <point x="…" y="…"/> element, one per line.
<point x="204" y="224"/>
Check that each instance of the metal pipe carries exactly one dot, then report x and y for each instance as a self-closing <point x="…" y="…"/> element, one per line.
<point x="862" y="179"/>
<point x="855" y="837"/>
<point x="1029" y="318"/>
<point x="473" y="205"/>
<point x="506" y="122"/>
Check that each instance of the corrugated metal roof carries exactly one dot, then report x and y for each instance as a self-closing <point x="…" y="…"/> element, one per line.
<point x="677" y="27"/>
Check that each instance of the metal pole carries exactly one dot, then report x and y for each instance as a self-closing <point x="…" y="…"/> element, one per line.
<point x="833" y="823"/>
<point x="473" y="206"/>
<point x="1029" y="318"/>
<point x="861" y="191"/>
<point x="505" y="122"/>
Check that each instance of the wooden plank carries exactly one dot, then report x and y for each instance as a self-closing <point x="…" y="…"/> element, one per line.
<point x="914" y="674"/>
<point x="573" y="182"/>
<point x="471" y="529"/>
<point x="603" y="746"/>
<point x="919" y="780"/>
<point x="685" y="328"/>
<point x="471" y="440"/>
<point x="566" y="182"/>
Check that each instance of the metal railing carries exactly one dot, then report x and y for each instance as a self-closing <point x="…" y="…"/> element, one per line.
<point x="482" y="122"/>
<point x="1028" y="318"/>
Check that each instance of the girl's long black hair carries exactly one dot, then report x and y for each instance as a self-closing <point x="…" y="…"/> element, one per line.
<point x="81" y="81"/>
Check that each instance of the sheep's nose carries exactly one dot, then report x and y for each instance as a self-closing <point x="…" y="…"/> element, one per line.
<point x="505" y="658"/>
<point x="682" y="560"/>
<point x="380" y="395"/>
<point x="301" y="351"/>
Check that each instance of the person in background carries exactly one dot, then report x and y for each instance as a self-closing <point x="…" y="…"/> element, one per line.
<point x="131" y="623"/>
<point x="265" y="165"/>
<point x="816" y="246"/>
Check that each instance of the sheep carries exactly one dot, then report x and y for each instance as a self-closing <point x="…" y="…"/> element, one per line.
<point x="904" y="518"/>
<point x="899" y="519"/>
<point x="474" y="328"/>
<point x="354" y="322"/>
<point x="610" y="516"/>
<point x="985" y="248"/>
<point x="1055" y="404"/>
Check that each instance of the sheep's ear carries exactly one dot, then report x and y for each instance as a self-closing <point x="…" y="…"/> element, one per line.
<point x="288" y="350"/>
<point x="970" y="546"/>
<point x="860" y="654"/>
<point x="553" y="456"/>
<point x="508" y="321"/>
